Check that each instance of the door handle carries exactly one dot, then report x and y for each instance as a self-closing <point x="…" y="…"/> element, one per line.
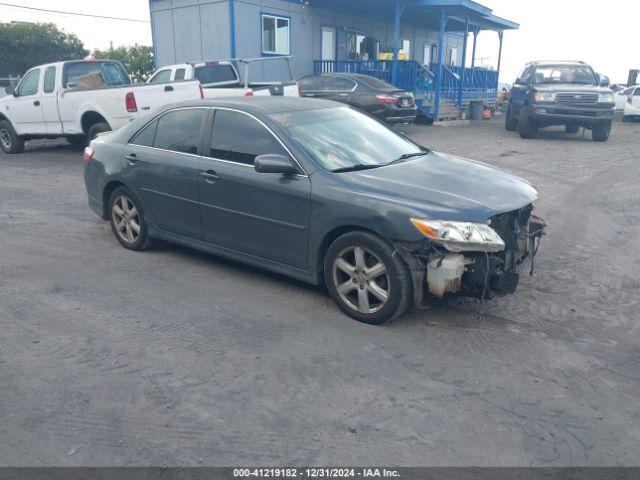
<point x="132" y="158"/>
<point x="168" y="88"/>
<point x="344" y="95"/>
<point x="309" y="95"/>
<point x="36" y="103"/>
<point x="210" y="176"/>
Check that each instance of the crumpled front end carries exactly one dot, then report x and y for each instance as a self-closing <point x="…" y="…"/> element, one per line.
<point x="437" y="271"/>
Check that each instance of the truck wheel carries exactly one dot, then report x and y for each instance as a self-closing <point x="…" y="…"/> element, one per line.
<point x="601" y="132"/>
<point x="572" y="128"/>
<point x="366" y="279"/>
<point x="96" y="129"/>
<point x="526" y="128"/>
<point x="511" y="122"/>
<point x="10" y="142"/>
<point x="77" y="140"/>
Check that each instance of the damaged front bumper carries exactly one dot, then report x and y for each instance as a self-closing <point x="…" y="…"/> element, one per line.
<point x="436" y="272"/>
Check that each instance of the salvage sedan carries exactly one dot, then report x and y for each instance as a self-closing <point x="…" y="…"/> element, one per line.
<point x="320" y="192"/>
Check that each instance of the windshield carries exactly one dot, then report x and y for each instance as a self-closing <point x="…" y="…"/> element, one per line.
<point x="578" y="74"/>
<point x="215" y="74"/>
<point x="341" y="138"/>
<point x="95" y="74"/>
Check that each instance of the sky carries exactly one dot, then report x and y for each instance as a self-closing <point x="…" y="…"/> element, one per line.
<point x="604" y="34"/>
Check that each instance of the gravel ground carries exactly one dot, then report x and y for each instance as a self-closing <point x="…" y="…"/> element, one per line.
<point x="173" y="357"/>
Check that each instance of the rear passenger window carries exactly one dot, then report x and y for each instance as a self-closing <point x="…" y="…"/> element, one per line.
<point x="310" y="83"/>
<point x="180" y="74"/>
<point x="338" y="84"/>
<point x="146" y="136"/>
<point x="240" y="138"/>
<point x="637" y="92"/>
<point x="181" y="130"/>
<point x="49" y="79"/>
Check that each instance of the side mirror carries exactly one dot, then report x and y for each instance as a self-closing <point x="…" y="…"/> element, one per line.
<point x="274" y="164"/>
<point x="604" y="81"/>
<point x="11" y="91"/>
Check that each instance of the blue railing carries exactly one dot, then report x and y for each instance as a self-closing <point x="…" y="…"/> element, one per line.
<point x="479" y="83"/>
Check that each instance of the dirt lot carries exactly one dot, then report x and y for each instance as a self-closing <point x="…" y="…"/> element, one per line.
<point x="110" y="357"/>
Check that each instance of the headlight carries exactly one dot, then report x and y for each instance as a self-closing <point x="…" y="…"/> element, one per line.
<point x="460" y="236"/>
<point x="606" y="98"/>
<point x="544" y="97"/>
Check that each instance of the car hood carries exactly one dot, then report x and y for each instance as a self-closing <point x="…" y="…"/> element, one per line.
<point x="445" y="187"/>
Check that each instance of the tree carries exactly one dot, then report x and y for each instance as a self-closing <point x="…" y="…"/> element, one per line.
<point x="137" y="60"/>
<point x="25" y="45"/>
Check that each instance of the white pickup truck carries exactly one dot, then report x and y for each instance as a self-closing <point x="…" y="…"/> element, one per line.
<point x="221" y="79"/>
<point x="78" y="100"/>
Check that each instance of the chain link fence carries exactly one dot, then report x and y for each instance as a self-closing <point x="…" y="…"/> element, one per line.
<point x="7" y="82"/>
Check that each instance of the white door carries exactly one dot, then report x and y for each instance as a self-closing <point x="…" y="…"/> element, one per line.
<point x="49" y="100"/>
<point x="26" y="107"/>
<point x="426" y="56"/>
<point x="328" y="43"/>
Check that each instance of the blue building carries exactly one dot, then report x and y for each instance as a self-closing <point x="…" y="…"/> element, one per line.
<point x="418" y="45"/>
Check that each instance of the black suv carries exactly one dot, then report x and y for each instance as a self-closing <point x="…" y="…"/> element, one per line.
<point x="560" y="93"/>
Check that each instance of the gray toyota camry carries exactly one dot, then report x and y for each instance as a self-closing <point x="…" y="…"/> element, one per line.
<point x="320" y="192"/>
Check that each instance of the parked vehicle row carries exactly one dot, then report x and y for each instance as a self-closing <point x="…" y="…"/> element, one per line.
<point x="78" y="100"/>
<point x="560" y="93"/>
<point x="630" y="103"/>
<point x="383" y="223"/>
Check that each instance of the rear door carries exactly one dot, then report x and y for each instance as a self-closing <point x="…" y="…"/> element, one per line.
<point x="635" y="102"/>
<point x="49" y="100"/>
<point x="261" y="214"/>
<point x="165" y="164"/>
<point x="26" y="108"/>
<point x="337" y="88"/>
<point x="310" y="86"/>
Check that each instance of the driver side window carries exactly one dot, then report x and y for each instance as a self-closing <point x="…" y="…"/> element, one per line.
<point x="29" y="84"/>
<point x="524" y="77"/>
<point x="163" y="76"/>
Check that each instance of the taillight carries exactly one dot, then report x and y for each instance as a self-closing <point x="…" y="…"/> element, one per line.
<point x="249" y="93"/>
<point x="89" y="152"/>
<point x="201" y="92"/>
<point x="386" y="98"/>
<point x="130" y="102"/>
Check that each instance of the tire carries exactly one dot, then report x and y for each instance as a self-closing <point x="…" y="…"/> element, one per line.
<point x="572" y="129"/>
<point x="124" y="222"/>
<point x="96" y="129"/>
<point x="390" y="279"/>
<point x="10" y="142"/>
<point x="526" y="128"/>
<point x="511" y="122"/>
<point x="601" y="132"/>
<point x="77" y="140"/>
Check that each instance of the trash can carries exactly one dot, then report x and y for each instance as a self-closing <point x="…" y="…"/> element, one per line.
<point x="475" y="110"/>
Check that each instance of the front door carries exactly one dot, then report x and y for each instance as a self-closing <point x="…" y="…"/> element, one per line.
<point x="26" y="107"/>
<point x="164" y="164"/>
<point x="261" y="214"/>
<point x="328" y="43"/>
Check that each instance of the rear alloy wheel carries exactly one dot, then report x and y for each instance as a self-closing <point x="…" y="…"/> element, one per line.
<point x="601" y="132"/>
<point x="10" y="142"/>
<point x="526" y="127"/>
<point x="511" y="122"/>
<point x="367" y="281"/>
<point x="572" y="129"/>
<point x="127" y="219"/>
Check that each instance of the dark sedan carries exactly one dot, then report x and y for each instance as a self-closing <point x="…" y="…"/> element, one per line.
<point x="320" y="192"/>
<point x="369" y="94"/>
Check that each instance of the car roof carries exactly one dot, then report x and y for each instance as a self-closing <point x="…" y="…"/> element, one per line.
<point x="558" y="62"/>
<point x="262" y="105"/>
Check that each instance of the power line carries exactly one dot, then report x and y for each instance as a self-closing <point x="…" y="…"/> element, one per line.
<point x="74" y="13"/>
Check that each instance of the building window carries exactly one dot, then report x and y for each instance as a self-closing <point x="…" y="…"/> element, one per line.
<point x="406" y="48"/>
<point x="275" y="35"/>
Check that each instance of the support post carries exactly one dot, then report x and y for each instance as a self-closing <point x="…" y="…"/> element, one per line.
<point x="501" y="36"/>
<point x="464" y="63"/>
<point x="475" y="41"/>
<point x="396" y="44"/>
<point x="443" y="24"/>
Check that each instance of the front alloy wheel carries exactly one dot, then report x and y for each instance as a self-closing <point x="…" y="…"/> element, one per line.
<point x="127" y="220"/>
<point x="361" y="280"/>
<point x="366" y="278"/>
